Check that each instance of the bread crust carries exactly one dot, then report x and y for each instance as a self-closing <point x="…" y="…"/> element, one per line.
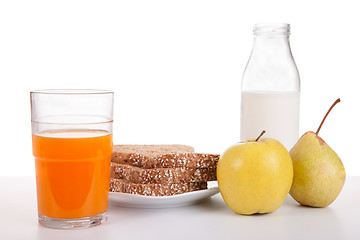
<point x="161" y="175"/>
<point x="153" y="149"/>
<point x="163" y="189"/>
<point x="167" y="160"/>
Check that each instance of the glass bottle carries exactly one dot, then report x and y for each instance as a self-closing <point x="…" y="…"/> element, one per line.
<point x="270" y="91"/>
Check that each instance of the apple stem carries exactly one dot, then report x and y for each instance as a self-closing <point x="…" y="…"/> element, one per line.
<point x="336" y="102"/>
<point x="262" y="133"/>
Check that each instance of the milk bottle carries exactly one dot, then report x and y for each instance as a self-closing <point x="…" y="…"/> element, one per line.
<point x="270" y="92"/>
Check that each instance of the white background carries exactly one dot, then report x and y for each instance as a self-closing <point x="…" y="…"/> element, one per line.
<point x="175" y="67"/>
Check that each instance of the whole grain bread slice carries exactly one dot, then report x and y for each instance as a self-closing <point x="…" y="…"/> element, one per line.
<point x="153" y="149"/>
<point x="160" y="157"/>
<point x="161" y="175"/>
<point x="163" y="189"/>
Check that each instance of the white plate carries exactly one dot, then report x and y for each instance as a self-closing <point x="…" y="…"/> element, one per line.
<point x="140" y="201"/>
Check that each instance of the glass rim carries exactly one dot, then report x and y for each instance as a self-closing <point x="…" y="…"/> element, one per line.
<point x="71" y="91"/>
<point x="73" y="124"/>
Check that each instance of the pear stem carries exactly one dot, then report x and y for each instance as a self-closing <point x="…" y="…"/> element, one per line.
<point x="262" y="133"/>
<point x="336" y="102"/>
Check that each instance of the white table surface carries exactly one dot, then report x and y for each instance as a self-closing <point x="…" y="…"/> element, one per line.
<point x="209" y="220"/>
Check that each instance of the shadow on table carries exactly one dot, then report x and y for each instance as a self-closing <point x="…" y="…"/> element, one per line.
<point x="214" y="204"/>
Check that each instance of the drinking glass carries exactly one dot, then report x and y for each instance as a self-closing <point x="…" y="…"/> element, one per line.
<point x="72" y="146"/>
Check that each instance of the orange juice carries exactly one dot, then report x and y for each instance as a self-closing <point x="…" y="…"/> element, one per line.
<point x="72" y="172"/>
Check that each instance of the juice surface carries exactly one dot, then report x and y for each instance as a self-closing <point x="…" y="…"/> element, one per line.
<point x="72" y="172"/>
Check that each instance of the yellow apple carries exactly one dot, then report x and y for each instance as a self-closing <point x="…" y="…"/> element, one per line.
<point x="255" y="176"/>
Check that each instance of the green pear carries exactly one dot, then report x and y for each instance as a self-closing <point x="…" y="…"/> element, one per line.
<point x="319" y="174"/>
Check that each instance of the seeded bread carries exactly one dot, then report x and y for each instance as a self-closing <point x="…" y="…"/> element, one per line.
<point x="162" y="156"/>
<point x="164" y="189"/>
<point x="153" y="149"/>
<point x="161" y="175"/>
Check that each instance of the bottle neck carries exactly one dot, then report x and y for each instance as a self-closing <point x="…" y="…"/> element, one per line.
<point x="271" y="46"/>
<point x="271" y="66"/>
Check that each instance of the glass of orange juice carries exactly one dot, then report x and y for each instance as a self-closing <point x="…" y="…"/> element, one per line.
<point x="72" y="146"/>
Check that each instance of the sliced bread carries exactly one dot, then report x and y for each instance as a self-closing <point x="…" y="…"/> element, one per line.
<point x="164" y="189"/>
<point x="161" y="175"/>
<point x="162" y="156"/>
<point x="153" y="149"/>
